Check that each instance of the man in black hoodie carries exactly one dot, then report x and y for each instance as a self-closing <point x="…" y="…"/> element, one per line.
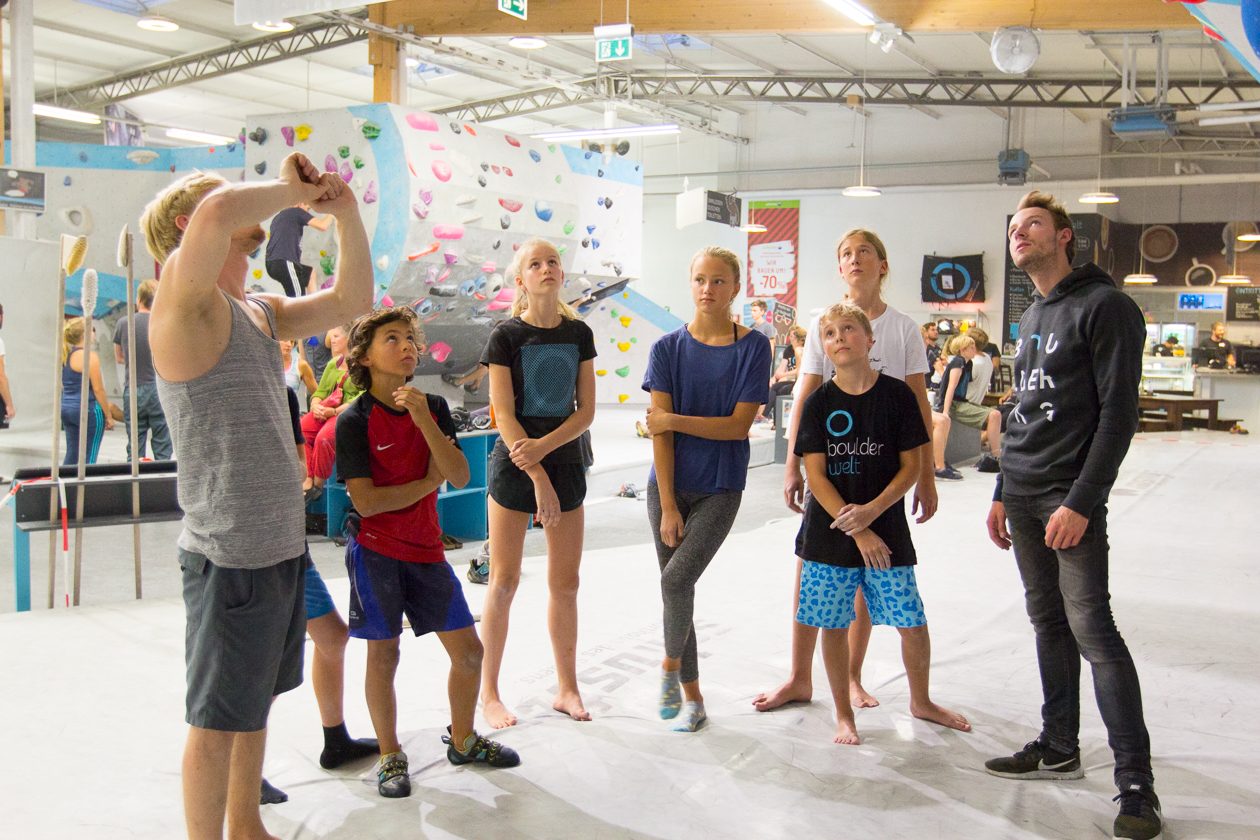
<point x="1077" y="367"/>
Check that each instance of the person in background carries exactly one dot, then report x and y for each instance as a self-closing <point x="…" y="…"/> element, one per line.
<point x="1168" y="348"/>
<point x="7" y="411"/>
<point x="931" y="332"/>
<point x="100" y="411"/>
<point x="784" y="379"/>
<point x="149" y="416"/>
<point x="1220" y="351"/>
<point x="296" y="370"/>
<point x="284" y="248"/>
<point x="987" y="360"/>
<point x="760" y="324"/>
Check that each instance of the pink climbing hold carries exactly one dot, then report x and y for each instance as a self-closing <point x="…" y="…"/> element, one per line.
<point x="503" y="300"/>
<point x="420" y="210"/>
<point x="411" y="166"/>
<point x="439" y="350"/>
<point x="286" y="131"/>
<point x="494" y="167"/>
<point x="330" y="164"/>
<point x="510" y="205"/>
<point x="369" y="195"/>
<point x="422" y="122"/>
<point x="426" y="196"/>
<point x="437" y="147"/>
<point x="387" y="301"/>
<point x="441" y="170"/>
<point x="448" y="231"/>
<point x="451" y="257"/>
<point x="346" y="172"/>
<point x="446" y="272"/>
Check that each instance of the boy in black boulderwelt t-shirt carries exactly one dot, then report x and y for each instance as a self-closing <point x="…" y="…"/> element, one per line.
<point x="858" y="437"/>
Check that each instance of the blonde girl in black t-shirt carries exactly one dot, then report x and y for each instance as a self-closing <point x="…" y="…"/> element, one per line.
<point x="542" y="391"/>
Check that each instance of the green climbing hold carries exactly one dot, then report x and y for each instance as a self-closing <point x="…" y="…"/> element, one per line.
<point x="562" y="249"/>
<point x="634" y="341"/>
<point x="358" y="162"/>
<point x="623" y="372"/>
<point x="371" y="130"/>
<point x="327" y="264"/>
<point x="557" y="179"/>
<point x="613" y="313"/>
<point x="551" y="147"/>
<point x="344" y="151"/>
<point x="568" y="228"/>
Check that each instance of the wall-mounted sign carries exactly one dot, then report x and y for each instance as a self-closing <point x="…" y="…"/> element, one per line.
<point x="614" y="42"/>
<point x="516" y="8"/>
<point x="22" y="189"/>
<point x="1243" y="303"/>
<point x="953" y="279"/>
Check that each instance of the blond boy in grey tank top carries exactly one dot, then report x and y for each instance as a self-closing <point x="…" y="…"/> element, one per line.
<point x="241" y="550"/>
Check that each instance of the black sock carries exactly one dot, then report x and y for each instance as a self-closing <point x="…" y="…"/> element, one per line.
<point x="271" y="795"/>
<point x="339" y="747"/>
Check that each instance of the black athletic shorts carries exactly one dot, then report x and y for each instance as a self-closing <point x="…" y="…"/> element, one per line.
<point x="514" y="490"/>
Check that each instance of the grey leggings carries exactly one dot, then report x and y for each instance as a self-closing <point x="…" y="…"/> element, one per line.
<point x="707" y="519"/>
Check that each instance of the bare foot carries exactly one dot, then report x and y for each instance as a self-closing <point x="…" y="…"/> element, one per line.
<point x="939" y="714"/>
<point x="789" y="692"/>
<point x="570" y="703"/>
<point x="860" y="697"/>
<point x="846" y="733"/>
<point x="497" y="715"/>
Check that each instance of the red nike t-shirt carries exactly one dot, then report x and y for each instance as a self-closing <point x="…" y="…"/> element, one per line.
<point x="382" y="443"/>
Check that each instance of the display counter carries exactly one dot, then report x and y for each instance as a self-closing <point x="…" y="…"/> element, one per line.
<point x="1239" y="394"/>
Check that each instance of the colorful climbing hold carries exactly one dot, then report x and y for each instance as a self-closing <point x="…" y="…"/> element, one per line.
<point x="369" y="195"/>
<point x="601" y="372"/>
<point x="451" y="257"/>
<point x="420" y="210"/>
<point x="257" y="273"/>
<point x="327" y="264"/>
<point x="431" y="248"/>
<point x="623" y="372"/>
<point x="260" y="167"/>
<point x="542" y="210"/>
<point x="426" y="196"/>
<point x="625" y="320"/>
<point x="470" y="129"/>
<point x="512" y="141"/>
<point x="302" y="131"/>
<point x="347" y="174"/>
<point x="387" y="301"/>
<point x="437" y="147"/>
<point x="439" y="350"/>
<point x="441" y="170"/>
<point x="382" y="262"/>
<point x="343" y="151"/>
<point x="371" y="130"/>
<point x="358" y="162"/>
<point x="509" y="204"/>
<point x="448" y="231"/>
<point x="621" y="398"/>
<point x="623" y="346"/>
<point x="330" y="164"/>
<point x="286" y="131"/>
<point x="422" y="122"/>
<point x="495" y="168"/>
<point x="568" y="228"/>
<point x="534" y="156"/>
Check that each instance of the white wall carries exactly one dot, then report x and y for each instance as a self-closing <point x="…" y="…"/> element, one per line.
<point x="949" y="222"/>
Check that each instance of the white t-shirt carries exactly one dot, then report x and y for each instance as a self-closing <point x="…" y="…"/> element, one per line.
<point x="1" y="348"/>
<point x="898" y="349"/>
<point x="981" y="375"/>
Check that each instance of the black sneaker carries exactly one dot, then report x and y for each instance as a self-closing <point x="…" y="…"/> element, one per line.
<point x="988" y="464"/>
<point x="1139" y="817"/>
<point x="948" y="473"/>
<point x="392" y="780"/>
<point x="1037" y="761"/>
<point x="483" y="751"/>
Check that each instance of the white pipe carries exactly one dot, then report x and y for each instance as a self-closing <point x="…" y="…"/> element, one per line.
<point x="22" y="94"/>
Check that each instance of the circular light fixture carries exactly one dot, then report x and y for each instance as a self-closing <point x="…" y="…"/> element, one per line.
<point x="526" y="42"/>
<point x="1141" y="280"/>
<point x="861" y="191"/>
<point x="753" y="227"/>
<point x="157" y="23"/>
<point x="1099" y="197"/>
<point x="1234" y="280"/>
<point x="1249" y="237"/>
<point x="272" y="26"/>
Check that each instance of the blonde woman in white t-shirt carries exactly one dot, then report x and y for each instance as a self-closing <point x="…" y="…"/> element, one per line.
<point x="897" y="352"/>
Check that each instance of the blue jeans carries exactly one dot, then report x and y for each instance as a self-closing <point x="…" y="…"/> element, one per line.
<point x="1068" y="603"/>
<point x="149" y="418"/>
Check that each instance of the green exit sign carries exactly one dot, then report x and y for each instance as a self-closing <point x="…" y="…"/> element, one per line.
<point x="614" y="43"/>
<point x="515" y="8"/>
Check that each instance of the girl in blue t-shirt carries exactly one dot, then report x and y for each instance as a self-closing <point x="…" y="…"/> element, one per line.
<point x="707" y="380"/>
<point x="542" y="391"/>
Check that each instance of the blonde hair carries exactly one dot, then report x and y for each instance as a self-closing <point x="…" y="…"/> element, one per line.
<point x="799" y="333"/>
<point x="146" y="292"/>
<point x="870" y="236"/>
<point x="958" y="343"/>
<point x="161" y="234"/>
<point x="71" y="337"/>
<point x="727" y="256"/>
<point x="843" y="311"/>
<point x="979" y="336"/>
<point x="521" y="302"/>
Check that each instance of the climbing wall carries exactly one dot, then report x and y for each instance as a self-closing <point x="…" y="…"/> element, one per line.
<point x="446" y="203"/>
<point x="625" y="325"/>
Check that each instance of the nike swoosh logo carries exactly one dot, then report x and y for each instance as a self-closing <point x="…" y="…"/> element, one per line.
<point x="380" y="448"/>
<point x="1058" y="766"/>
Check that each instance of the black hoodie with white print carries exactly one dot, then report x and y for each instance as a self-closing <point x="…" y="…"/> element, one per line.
<point x="1077" y="368"/>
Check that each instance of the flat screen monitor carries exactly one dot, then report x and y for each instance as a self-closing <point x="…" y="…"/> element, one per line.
<point x="1201" y="302"/>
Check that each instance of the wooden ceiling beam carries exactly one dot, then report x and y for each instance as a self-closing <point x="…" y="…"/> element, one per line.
<point x="435" y="18"/>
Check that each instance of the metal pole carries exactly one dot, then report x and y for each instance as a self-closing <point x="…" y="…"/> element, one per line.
<point x="84" y="398"/>
<point x="124" y="260"/>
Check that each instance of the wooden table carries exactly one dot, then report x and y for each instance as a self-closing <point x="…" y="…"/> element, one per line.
<point x="1177" y="406"/>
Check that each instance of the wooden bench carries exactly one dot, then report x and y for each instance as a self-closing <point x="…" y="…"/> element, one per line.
<point x="106" y="492"/>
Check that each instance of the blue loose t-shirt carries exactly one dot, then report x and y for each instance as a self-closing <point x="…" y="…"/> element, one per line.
<point x="707" y="381"/>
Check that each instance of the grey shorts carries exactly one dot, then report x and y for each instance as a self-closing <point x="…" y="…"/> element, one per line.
<point x="969" y="414"/>
<point x="244" y="640"/>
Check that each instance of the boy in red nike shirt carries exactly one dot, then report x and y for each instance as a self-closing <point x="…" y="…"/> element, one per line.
<point x="395" y="447"/>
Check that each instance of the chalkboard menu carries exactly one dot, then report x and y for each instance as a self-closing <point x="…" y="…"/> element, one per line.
<point x="1018" y="294"/>
<point x="1243" y="303"/>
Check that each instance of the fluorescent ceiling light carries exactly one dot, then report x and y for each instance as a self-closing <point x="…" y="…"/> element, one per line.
<point x="1141" y="280"/>
<point x="1234" y="280"/>
<point x="855" y="12"/>
<point x="68" y="114"/>
<point x="199" y="137"/>
<point x="527" y="42"/>
<point x="1099" y="197"/>
<point x="1230" y="120"/>
<point x="861" y="191"/>
<point x="1249" y="237"/>
<point x="272" y="26"/>
<point x="157" y="23"/>
<point x="1230" y="106"/>
<point x="608" y="133"/>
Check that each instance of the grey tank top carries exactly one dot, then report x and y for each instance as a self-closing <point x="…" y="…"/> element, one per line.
<point x="240" y="484"/>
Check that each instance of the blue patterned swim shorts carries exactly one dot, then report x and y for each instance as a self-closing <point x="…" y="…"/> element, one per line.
<point x="827" y="593"/>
